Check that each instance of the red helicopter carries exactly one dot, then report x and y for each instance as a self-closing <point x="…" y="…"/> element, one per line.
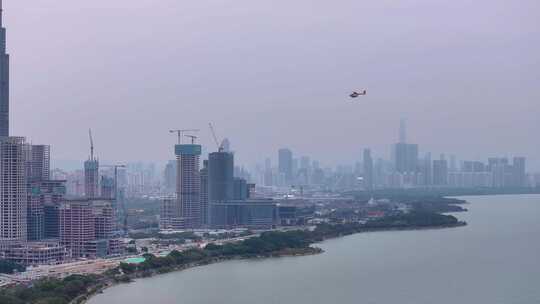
<point x="356" y="94"/>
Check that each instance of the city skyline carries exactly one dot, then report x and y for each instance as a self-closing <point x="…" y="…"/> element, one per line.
<point x="272" y="156"/>
<point x="444" y="117"/>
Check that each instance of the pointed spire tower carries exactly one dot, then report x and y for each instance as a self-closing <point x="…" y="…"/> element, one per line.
<point x="403" y="130"/>
<point x="4" y="80"/>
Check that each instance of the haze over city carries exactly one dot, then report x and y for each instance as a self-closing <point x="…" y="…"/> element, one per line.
<point x="269" y="152"/>
<point x="276" y="74"/>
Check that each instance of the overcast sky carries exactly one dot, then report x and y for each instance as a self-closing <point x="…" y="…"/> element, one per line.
<point x="271" y="74"/>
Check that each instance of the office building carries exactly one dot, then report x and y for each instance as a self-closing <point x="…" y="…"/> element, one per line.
<point x="240" y="189"/>
<point x="252" y="214"/>
<point x="220" y="177"/>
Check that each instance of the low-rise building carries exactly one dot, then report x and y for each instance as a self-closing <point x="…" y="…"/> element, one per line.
<point x="253" y="214"/>
<point x="36" y="253"/>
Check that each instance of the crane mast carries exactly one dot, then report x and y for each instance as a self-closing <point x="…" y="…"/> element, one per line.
<point x="91" y="144"/>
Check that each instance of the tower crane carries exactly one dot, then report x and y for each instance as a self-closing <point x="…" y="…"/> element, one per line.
<point x="219" y="146"/>
<point x="91" y="144"/>
<point x="193" y="138"/>
<point x="181" y="132"/>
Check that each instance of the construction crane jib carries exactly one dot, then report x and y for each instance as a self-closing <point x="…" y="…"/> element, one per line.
<point x="181" y="132"/>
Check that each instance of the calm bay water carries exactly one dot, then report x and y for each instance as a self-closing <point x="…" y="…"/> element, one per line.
<point x="495" y="259"/>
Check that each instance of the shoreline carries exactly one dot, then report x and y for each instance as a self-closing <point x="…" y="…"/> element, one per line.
<point x="82" y="299"/>
<point x="311" y="250"/>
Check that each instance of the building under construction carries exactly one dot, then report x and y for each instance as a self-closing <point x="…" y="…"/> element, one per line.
<point x="86" y="228"/>
<point x="91" y="173"/>
<point x="188" y="183"/>
<point x="36" y="253"/>
<point x="13" y="195"/>
<point x="170" y="214"/>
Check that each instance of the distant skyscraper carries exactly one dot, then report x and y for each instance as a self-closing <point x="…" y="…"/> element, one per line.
<point x="13" y="187"/>
<point x="268" y="174"/>
<point x="4" y="80"/>
<point x="204" y="193"/>
<point x="402" y="131"/>
<point x="406" y="157"/>
<point x="519" y="175"/>
<point x="427" y="170"/>
<point x="305" y="163"/>
<point x="38" y="162"/>
<point x="188" y="183"/>
<point x="107" y="188"/>
<point x="170" y="177"/>
<point x="440" y="172"/>
<point x="368" y="170"/>
<point x="453" y="165"/>
<point x="285" y="163"/>
<point x="500" y="171"/>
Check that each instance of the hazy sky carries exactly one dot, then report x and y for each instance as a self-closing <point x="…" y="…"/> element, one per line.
<point x="269" y="74"/>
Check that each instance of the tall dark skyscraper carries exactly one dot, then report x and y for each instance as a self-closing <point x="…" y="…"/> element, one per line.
<point x="4" y="80"/>
<point x="220" y="182"/>
<point x="220" y="177"/>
